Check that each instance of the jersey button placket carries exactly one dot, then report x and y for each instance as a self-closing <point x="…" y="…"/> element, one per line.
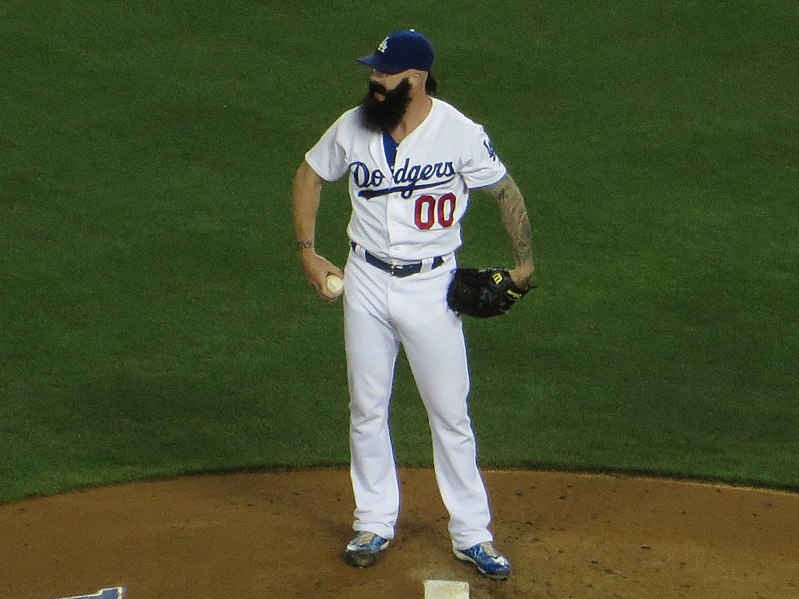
<point x="394" y="216"/>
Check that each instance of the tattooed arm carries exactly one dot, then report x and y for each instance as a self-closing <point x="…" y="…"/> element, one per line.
<point x="517" y="224"/>
<point x="305" y="205"/>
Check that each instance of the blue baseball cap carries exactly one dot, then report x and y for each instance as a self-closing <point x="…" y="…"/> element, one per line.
<point x="400" y="51"/>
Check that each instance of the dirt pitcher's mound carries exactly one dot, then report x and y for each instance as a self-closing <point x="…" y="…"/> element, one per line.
<point x="281" y="535"/>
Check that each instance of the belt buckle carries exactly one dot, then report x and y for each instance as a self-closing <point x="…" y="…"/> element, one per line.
<point x="395" y="270"/>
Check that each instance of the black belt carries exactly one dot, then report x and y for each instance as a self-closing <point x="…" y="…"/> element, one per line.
<point x="397" y="270"/>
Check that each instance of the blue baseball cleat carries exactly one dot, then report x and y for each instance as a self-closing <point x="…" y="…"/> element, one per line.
<point x="364" y="549"/>
<point x="488" y="560"/>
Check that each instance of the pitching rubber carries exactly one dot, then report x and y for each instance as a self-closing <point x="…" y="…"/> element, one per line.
<point x="112" y="593"/>
<point x="445" y="589"/>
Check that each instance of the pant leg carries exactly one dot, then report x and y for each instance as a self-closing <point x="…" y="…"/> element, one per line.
<point x="372" y="349"/>
<point x="434" y="343"/>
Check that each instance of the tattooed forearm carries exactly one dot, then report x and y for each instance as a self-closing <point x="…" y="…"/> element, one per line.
<point x="515" y="218"/>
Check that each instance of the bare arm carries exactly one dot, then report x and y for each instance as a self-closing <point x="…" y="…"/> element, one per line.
<point x="305" y="205"/>
<point x="517" y="224"/>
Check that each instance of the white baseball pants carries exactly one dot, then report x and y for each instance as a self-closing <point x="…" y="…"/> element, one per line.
<point x="382" y="313"/>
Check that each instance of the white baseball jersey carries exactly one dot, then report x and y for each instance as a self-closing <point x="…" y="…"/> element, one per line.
<point x="410" y="209"/>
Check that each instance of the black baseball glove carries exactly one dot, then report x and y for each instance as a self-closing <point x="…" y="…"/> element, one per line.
<point x="483" y="292"/>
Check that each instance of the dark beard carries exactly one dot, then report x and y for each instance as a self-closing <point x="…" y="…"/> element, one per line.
<point x="385" y="115"/>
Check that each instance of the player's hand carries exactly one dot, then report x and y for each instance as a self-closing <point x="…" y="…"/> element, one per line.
<point x="522" y="275"/>
<point x="317" y="268"/>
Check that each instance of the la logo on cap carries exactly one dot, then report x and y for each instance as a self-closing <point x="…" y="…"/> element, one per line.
<point x="400" y="51"/>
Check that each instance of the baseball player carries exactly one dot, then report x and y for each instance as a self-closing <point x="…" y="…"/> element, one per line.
<point x="412" y="161"/>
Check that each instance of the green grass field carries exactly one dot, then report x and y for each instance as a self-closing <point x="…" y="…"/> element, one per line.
<point x="154" y="319"/>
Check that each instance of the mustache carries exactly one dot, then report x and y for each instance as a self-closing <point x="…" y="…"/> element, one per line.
<point x="386" y="113"/>
<point x="375" y="87"/>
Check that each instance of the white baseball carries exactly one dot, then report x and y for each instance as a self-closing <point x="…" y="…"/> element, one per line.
<point x="335" y="284"/>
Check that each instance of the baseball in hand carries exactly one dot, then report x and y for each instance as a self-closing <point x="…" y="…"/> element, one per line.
<point x="334" y="284"/>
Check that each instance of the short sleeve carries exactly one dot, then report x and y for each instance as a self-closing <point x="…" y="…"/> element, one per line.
<point x="482" y="167"/>
<point x="328" y="157"/>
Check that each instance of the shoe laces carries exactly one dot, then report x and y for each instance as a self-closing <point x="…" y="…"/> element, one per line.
<point x="489" y="549"/>
<point x="364" y="537"/>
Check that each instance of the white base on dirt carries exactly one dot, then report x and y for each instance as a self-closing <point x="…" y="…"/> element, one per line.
<point x="445" y="589"/>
